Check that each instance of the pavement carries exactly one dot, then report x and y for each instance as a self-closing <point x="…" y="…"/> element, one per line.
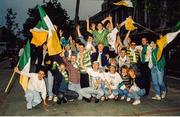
<point x="14" y="104"/>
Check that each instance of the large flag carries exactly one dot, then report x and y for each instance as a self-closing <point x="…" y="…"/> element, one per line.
<point x="39" y="33"/>
<point x="53" y="43"/>
<point x="163" y="41"/>
<point x="24" y="65"/>
<point x="126" y="3"/>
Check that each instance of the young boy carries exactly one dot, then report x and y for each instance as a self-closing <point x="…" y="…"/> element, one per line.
<point x="36" y="86"/>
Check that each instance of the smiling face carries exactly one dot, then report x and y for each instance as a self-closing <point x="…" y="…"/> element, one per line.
<point x="99" y="27"/>
<point x="112" y="69"/>
<point x="144" y="41"/>
<point x="95" y="66"/>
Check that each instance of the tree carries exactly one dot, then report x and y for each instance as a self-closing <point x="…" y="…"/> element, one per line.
<point x="56" y="13"/>
<point x="10" y="20"/>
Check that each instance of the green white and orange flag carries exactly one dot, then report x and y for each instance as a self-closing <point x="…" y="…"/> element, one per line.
<point x="164" y="40"/>
<point x="24" y="65"/>
<point x="126" y="3"/>
<point x="39" y="33"/>
<point x="53" y="43"/>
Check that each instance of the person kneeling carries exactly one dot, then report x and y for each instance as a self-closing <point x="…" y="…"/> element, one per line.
<point x="36" y="86"/>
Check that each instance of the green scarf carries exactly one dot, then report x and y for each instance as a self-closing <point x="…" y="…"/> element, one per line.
<point x="143" y="54"/>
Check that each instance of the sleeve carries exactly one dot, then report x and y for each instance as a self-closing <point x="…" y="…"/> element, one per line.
<point x="43" y="92"/>
<point x="27" y="74"/>
<point x="81" y="38"/>
<point x="89" y="71"/>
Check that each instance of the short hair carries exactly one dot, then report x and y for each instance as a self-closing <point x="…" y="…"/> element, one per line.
<point x="124" y="49"/>
<point x="42" y="69"/>
<point x="81" y="44"/>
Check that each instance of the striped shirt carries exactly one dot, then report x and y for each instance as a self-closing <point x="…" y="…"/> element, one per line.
<point x="133" y="55"/>
<point x="66" y="75"/>
<point x="86" y="61"/>
<point x="101" y="37"/>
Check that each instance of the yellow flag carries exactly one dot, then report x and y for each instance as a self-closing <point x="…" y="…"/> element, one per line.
<point x="121" y="3"/>
<point x="129" y="24"/>
<point x="24" y="82"/>
<point x="39" y="37"/>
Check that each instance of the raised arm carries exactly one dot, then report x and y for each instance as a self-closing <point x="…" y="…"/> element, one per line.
<point x="87" y="25"/>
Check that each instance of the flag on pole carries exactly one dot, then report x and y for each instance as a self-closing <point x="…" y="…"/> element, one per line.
<point x="163" y="41"/>
<point x="129" y="24"/>
<point x="24" y="65"/>
<point x="53" y="43"/>
<point x="126" y="3"/>
<point x="39" y="33"/>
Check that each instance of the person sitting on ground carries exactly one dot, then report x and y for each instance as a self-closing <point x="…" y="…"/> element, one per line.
<point x="136" y="90"/>
<point x="36" y="88"/>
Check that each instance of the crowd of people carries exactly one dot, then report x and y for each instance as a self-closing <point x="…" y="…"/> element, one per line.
<point x="102" y="66"/>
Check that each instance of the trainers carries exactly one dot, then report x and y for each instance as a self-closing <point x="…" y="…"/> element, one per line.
<point x="123" y="97"/>
<point x="111" y="96"/>
<point x="102" y="98"/>
<point x="163" y="95"/>
<point x="55" y="99"/>
<point x="156" y="97"/>
<point x="50" y="98"/>
<point x="136" y="102"/>
<point x="128" y="99"/>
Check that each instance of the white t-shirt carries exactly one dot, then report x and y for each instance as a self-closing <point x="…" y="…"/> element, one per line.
<point x="35" y="84"/>
<point x="112" y="37"/>
<point x="113" y="79"/>
<point x="94" y="75"/>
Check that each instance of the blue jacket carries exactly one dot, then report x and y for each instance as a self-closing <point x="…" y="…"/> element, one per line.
<point x="104" y="59"/>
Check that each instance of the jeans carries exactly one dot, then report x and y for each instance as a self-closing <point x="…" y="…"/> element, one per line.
<point x="33" y="98"/>
<point x="75" y="87"/>
<point x="157" y="80"/>
<point x="50" y="80"/>
<point x="123" y="92"/>
<point x="89" y="91"/>
<point x="136" y="94"/>
<point x="115" y="92"/>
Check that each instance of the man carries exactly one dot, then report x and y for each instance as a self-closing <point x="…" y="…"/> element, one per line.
<point x="36" y="86"/>
<point x="95" y="83"/>
<point x="122" y="58"/>
<point x="84" y="78"/>
<point x="100" y="56"/>
<point x="133" y="55"/>
<point x="145" y="53"/>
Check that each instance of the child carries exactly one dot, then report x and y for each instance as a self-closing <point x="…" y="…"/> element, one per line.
<point x="126" y="81"/>
<point x="136" y="89"/>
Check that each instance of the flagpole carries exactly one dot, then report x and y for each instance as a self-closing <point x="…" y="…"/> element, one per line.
<point x="12" y="76"/>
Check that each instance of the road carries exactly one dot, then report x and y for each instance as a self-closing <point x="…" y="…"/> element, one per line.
<point x="14" y="103"/>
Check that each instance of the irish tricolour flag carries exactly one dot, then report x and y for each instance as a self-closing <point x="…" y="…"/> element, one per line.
<point x="53" y="43"/>
<point x="24" y="65"/>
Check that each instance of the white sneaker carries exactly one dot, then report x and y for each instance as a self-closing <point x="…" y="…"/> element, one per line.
<point x="128" y="99"/>
<point x="123" y="97"/>
<point x="111" y="96"/>
<point x="55" y="99"/>
<point x="163" y="95"/>
<point x="136" y="102"/>
<point x="50" y="98"/>
<point x="102" y="98"/>
<point x="156" y="97"/>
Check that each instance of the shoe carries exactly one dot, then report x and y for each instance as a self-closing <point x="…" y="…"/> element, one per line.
<point x="55" y="99"/>
<point x="96" y="100"/>
<point x="163" y="95"/>
<point x="128" y="99"/>
<point x="116" y="98"/>
<point x="122" y="97"/>
<point x="29" y="106"/>
<point x="136" y="102"/>
<point x="102" y="98"/>
<point x="111" y="96"/>
<point x="50" y="98"/>
<point x="156" y="97"/>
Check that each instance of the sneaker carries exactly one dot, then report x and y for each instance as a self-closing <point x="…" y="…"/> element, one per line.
<point x="55" y="99"/>
<point x="50" y="98"/>
<point x="163" y="95"/>
<point x="136" y="102"/>
<point x="123" y="97"/>
<point x="111" y="96"/>
<point x="128" y="99"/>
<point x="102" y="98"/>
<point x="156" y="97"/>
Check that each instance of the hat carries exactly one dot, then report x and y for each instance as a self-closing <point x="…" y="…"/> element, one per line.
<point x="95" y="62"/>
